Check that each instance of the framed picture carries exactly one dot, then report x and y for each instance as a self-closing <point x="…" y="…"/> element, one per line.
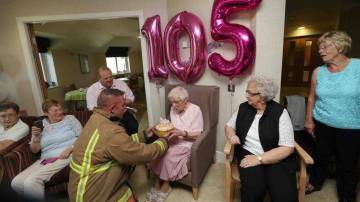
<point x="84" y="63"/>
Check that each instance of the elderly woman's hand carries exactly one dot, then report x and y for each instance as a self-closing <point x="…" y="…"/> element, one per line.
<point x="234" y="140"/>
<point x="66" y="153"/>
<point x="310" y="127"/>
<point x="176" y="134"/>
<point x="249" y="161"/>
<point x="35" y="131"/>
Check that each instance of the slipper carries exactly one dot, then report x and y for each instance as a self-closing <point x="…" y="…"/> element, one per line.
<point x="161" y="196"/>
<point x="151" y="196"/>
<point x="310" y="188"/>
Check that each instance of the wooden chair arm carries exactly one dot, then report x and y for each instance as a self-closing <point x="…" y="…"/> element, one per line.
<point x="229" y="151"/>
<point x="303" y="154"/>
<point x="227" y="148"/>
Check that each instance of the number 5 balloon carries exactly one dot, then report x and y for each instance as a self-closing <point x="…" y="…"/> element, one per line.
<point x="221" y="30"/>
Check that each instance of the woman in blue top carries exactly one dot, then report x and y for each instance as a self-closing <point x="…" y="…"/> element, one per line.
<point x="54" y="142"/>
<point x="333" y="114"/>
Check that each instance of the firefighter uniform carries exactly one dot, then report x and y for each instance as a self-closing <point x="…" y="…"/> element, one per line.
<point x="103" y="157"/>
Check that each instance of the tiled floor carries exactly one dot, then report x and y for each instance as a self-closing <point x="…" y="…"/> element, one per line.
<point x="213" y="188"/>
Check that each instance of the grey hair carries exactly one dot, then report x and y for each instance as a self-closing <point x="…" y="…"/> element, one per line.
<point x="107" y="94"/>
<point x="267" y="87"/>
<point x="178" y="93"/>
<point x="340" y="39"/>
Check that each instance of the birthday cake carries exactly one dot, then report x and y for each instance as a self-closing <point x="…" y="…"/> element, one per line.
<point x="163" y="128"/>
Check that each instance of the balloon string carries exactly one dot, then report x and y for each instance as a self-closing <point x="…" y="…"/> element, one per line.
<point x="160" y="101"/>
<point x="231" y="89"/>
<point x="231" y="103"/>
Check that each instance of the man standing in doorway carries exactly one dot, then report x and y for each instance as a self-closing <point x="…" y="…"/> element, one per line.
<point x="106" y="81"/>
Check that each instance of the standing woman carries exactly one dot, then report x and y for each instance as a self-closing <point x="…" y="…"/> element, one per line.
<point x="333" y="114"/>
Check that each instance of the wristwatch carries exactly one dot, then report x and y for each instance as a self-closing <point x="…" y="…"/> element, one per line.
<point x="260" y="159"/>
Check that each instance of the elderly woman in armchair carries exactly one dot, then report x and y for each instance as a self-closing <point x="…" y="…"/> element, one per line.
<point x="264" y="138"/>
<point x="53" y="137"/>
<point x="188" y="122"/>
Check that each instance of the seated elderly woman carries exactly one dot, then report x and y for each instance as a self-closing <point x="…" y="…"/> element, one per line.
<point x="263" y="132"/>
<point x="54" y="137"/>
<point x="188" y="122"/>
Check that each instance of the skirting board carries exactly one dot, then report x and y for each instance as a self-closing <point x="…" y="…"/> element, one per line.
<point x="219" y="157"/>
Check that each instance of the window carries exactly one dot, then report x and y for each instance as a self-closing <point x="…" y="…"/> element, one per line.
<point x="118" y="65"/>
<point x="48" y="68"/>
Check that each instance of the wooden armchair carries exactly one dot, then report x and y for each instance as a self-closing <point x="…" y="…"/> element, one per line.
<point x="232" y="176"/>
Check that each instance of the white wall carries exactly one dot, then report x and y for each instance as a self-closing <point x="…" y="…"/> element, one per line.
<point x="12" y="57"/>
<point x="266" y="23"/>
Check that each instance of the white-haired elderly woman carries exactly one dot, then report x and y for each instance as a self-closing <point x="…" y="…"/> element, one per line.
<point x="188" y="122"/>
<point x="333" y="114"/>
<point x="264" y="138"/>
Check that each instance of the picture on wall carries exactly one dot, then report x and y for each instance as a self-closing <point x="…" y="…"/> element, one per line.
<point x="84" y="63"/>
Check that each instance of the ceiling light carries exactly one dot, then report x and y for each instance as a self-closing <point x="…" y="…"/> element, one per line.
<point x="301" y="27"/>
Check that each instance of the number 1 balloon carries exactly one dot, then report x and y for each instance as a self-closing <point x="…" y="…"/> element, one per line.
<point x="152" y="32"/>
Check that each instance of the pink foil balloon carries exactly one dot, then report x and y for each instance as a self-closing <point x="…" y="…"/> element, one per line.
<point x="242" y="37"/>
<point x="190" y="24"/>
<point x="152" y="32"/>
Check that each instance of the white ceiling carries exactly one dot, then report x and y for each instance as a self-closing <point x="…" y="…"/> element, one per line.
<point x="97" y="35"/>
<point x="315" y="14"/>
<point x="90" y="36"/>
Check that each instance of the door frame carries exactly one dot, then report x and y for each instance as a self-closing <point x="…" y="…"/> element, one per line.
<point x="30" y="63"/>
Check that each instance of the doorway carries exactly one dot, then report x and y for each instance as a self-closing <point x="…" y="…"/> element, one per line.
<point x="300" y="58"/>
<point x="70" y="56"/>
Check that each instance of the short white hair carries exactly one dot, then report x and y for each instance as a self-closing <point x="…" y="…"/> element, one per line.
<point x="340" y="39"/>
<point x="267" y="87"/>
<point x="178" y="93"/>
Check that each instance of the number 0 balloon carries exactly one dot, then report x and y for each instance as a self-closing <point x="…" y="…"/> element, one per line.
<point x="221" y="30"/>
<point x="190" y="24"/>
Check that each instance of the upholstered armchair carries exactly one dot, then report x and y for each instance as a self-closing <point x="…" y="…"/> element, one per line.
<point x="203" y="149"/>
<point x="9" y="157"/>
<point x="21" y="157"/>
<point x="232" y="176"/>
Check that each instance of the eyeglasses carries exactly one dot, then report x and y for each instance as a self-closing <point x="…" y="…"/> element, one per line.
<point x="176" y="102"/>
<point x="251" y="94"/>
<point x="324" y="47"/>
